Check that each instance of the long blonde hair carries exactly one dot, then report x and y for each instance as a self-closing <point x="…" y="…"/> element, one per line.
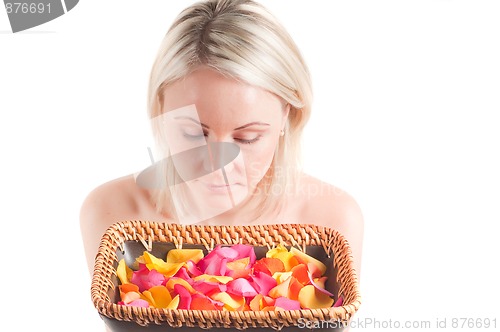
<point x="244" y="41"/>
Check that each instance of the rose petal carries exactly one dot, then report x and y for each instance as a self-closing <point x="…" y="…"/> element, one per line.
<point x="213" y="278"/>
<point x="184" y="295"/>
<point x="300" y="273"/>
<point x="245" y="251"/>
<point x="231" y="302"/>
<point x="311" y="298"/>
<point x="202" y="302"/>
<point x="280" y="289"/>
<point x="183" y="273"/>
<point x="138" y="303"/>
<point x="172" y="282"/>
<point x="339" y="302"/>
<point x="208" y="287"/>
<point x="262" y="282"/>
<point x="154" y="263"/>
<point x="318" y="286"/>
<point x="174" y="304"/>
<point x="241" y="287"/>
<point x="193" y="269"/>
<point x="184" y="255"/>
<point x="161" y="296"/>
<point x="309" y="260"/>
<point x="269" y="265"/>
<point x="123" y="272"/>
<point x="239" y="264"/>
<point x="294" y="289"/>
<point x="287" y="304"/>
<point x="145" y="279"/>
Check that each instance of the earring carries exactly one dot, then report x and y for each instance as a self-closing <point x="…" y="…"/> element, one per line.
<point x="282" y="132"/>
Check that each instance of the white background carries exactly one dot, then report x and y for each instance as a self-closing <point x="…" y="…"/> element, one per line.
<point x="407" y="98"/>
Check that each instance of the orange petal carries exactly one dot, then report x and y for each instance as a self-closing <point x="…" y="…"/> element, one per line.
<point x="161" y="296"/>
<point x="300" y="273"/>
<point x="295" y="287"/>
<point x="256" y="303"/>
<point x="309" y="259"/>
<point x="311" y="298"/>
<point x="202" y="303"/>
<point x="239" y="264"/>
<point x="174" y="281"/>
<point x="269" y="265"/>
<point x="288" y="260"/>
<point x="184" y="255"/>
<point x="128" y="288"/>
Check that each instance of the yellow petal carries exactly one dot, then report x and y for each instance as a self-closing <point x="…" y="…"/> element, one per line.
<point x="288" y="259"/>
<point x="184" y="255"/>
<point x="311" y="298"/>
<point x="174" y="303"/>
<point x="213" y="278"/>
<point x="282" y="276"/>
<point x="154" y="263"/>
<point x="231" y="302"/>
<point x="123" y="272"/>
<point x="280" y="248"/>
<point x="146" y="295"/>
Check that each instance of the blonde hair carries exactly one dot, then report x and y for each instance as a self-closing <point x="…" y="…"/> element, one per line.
<point x="244" y="41"/>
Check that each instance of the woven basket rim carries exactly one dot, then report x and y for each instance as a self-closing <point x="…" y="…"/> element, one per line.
<point x="149" y="232"/>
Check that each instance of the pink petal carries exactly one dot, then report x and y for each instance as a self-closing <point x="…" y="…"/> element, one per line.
<point x="215" y="262"/>
<point x="146" y="279"/>
<point x="227" y="252"/>
<point x="208" y="287"/>
<point x="241" y="287"/>
<point x="322" y="290"/>
<point x="184" y="295"/>
<point x="263" y="282"/>
<point x="339" y="302"/>
<point x="192" y="269"/>
<point x="137" y="303"/>
<point x="286" y="303"/>
<point x="182" y="273"/>
<point x="245" y="250"/>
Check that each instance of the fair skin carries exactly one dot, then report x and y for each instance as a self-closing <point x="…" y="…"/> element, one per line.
<point x="239" y="113"/>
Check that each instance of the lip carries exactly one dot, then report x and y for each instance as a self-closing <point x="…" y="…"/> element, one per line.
<point x="219" y="188"/>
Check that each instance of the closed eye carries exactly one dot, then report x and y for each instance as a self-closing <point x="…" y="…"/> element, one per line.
<point x="247" y="141"/>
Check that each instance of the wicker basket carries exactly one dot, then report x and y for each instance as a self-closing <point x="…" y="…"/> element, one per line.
<point x="130" y="238"/>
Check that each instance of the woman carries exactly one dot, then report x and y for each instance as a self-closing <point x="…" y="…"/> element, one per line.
<point x="229" y="95"/>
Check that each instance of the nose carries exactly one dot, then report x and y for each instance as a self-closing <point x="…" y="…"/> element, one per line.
<point x="219" y="155"/>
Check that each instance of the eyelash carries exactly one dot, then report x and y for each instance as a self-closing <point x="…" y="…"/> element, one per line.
<point x="242" y="141"/>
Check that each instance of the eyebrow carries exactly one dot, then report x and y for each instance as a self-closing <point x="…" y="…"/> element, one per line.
<point x="255" y="123"/>
<point x="191" y="119"/>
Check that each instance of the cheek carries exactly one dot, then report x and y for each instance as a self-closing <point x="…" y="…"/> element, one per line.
<point x="258" y="160"/>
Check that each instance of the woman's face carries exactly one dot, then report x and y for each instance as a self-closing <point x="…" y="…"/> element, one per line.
<point x="207" y="108"/>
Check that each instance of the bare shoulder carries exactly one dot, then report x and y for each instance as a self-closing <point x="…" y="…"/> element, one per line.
<point x="326" y="205"/>
<point x="117" y="200"/>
